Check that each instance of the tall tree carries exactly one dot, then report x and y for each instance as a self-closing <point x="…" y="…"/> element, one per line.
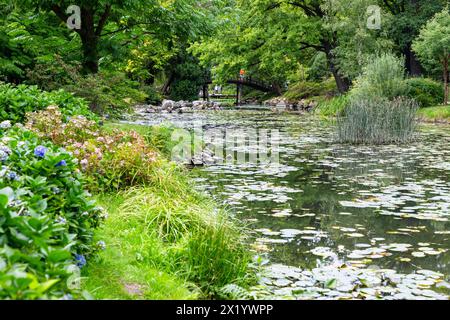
<point x="94" y="16"/>
<point x="324" y="40"/>
<point x="433" y="45"/>
<point x="406" y="20"/>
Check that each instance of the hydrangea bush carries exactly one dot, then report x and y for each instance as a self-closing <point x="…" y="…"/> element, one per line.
<point x="15" y="101"/>
<point x="111" y="160"/>
<point x="47" y="218"/>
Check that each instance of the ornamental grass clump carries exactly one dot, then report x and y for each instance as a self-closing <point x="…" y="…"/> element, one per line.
<point x="378" y="121"/>
<point x="378" y="111"/>
<point x="202" y="244"/>
<point x="47" y="218"/>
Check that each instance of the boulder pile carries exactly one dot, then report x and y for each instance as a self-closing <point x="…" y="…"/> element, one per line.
<point x="284" y="104"/>
<point x="170" y="106"/>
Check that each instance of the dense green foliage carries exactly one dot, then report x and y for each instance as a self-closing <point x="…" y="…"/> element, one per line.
<point x="165" y="240"/>
<point x="425" y="91"/>
<point x="433" y="45"/>
<point x="382" y="77"/>
<point x="46" y="217"/>
<point x="332" y="107"/>
<point x="16" y="101"/>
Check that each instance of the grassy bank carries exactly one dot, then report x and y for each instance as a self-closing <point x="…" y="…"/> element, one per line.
<point x="435" y="114"/>
<point x="165" y="240"/>
<point x="331" y="108"/>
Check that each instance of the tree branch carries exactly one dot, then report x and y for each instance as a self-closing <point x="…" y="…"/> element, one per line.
<point x="306" y="45"/>
<point x="104" y="17"/>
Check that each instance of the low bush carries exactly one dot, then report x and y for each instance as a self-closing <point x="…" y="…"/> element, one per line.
<point x="47" y="219"/>
<point x="426" y="92"/>
<point x="154" y="97"/>
<point x="111" y="160"/>
<point x="16" y="101"/>
<point x="378" y="121"/>
<point x="307" y="89"/>
<point x="332" y="107"/>
<point x="383" y="77"/>
<point x="108" y="93"/>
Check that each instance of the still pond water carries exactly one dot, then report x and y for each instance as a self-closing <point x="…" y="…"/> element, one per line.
<point x="332" y="221"/>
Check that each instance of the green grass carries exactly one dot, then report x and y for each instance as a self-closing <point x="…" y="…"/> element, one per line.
<point x="335" y="106"/>
<point x="435" y="114"/>
<point x="166" y="241"/>
<point x="378" y="121"/>
<point x="331" y="107"/>
<point x="121" y="272"/>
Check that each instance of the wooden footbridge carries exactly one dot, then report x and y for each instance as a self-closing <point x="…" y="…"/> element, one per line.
<point x="239" y="82"/>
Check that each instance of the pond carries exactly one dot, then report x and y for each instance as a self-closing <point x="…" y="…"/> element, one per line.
<point x="332" y="221"/>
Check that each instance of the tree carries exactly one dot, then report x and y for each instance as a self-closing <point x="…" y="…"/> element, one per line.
<point x="406" y="19"/>
<point x="433" y="45"/>
<point x="95" y="15"/>
<point x="323" y="39"/>
<point x="274" y="39"/>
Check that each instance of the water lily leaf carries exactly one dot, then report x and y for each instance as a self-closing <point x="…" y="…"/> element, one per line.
<point x="331" y="284"/>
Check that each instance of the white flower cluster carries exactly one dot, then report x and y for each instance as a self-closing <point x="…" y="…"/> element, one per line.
<point x="5" y="124"/>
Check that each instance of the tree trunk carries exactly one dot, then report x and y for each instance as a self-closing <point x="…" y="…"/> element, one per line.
<point x="342" y="83"/>
<point x="446" y="81"/>
<point x="89" y="34"/>
<point x="89" y="40"/>
<point x="166" y="87"/>
<point x="412" y="64"/>
<point x="277" y="88"/>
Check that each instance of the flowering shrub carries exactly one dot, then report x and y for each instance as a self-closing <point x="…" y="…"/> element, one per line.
<point x="111" y="160"/>
<point x="46" y="217"/>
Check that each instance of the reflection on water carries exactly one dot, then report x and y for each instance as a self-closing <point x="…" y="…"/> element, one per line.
<point x="338" y="221"/>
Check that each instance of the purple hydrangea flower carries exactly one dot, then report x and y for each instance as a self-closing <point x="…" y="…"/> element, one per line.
<point x="80" y="260"/>
<point x="61" y="220"/>
<point x="13" y="176"/>
<point x="40" y="151"/>
<point x="3" y="156"/>
<point x="62" y="163"/>
<point x="101" y="245"/>
<point x="5" y="152"/>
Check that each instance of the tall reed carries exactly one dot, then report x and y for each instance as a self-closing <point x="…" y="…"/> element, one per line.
<point x="378" y="121"/>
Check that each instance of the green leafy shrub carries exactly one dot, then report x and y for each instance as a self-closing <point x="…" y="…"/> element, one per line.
<point x="307" y="89"/>
<point x="332" y="107"/>
<point x="384" y="77"/>
<point x="378" y="121"/>
<point x="108" y="93"/>
<point x="426" y="92"/>
<point x="111" y="160"/>
<point x="46" y="217"/>
<point x="153" y="96"/>
<point x="16" y="101"/>
<point x="51" y="73"/>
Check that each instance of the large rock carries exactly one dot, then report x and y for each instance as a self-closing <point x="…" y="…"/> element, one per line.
<point x="168" y="105"/>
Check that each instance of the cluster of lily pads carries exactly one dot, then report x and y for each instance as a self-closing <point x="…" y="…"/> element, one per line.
<point x="341" y="281"/>
<point x="360" y="211"/>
